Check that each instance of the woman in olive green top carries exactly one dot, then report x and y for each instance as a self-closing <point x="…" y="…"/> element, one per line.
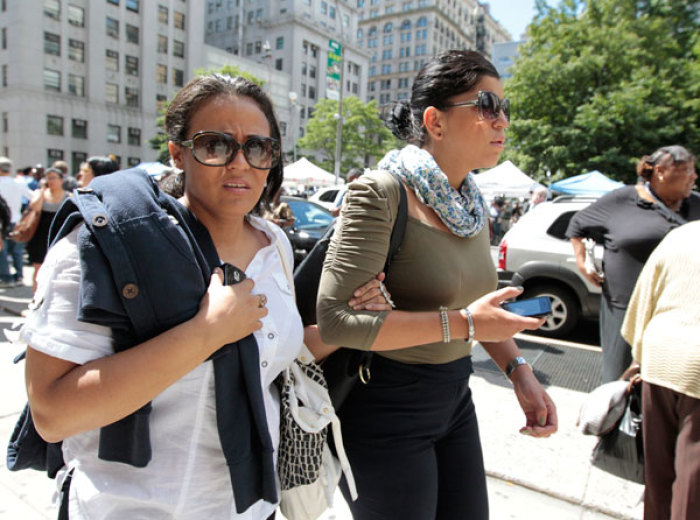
<point x="411" y="433"/>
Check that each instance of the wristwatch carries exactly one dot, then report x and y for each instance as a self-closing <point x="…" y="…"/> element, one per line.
<point x="515" y="363"/>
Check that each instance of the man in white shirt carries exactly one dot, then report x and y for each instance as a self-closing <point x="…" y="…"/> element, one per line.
<point x="12" y="190"/>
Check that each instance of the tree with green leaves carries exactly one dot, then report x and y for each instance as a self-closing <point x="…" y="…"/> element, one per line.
<point x="160" y="141"/>
<point x="600" y="83"/>
<point x="364" y="138"/>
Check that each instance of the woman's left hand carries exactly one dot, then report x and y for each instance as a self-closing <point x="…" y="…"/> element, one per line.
<point x="369" y="297"/>
<point x="540" y="411"/>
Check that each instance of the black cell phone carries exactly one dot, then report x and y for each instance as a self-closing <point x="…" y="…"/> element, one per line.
<point x="532" y="307"/>
<point x="232" y="274"/>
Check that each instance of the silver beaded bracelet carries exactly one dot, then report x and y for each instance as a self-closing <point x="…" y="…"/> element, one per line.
<point x="445" y="322"/>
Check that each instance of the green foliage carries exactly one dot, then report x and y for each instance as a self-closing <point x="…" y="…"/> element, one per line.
<point x="160" y="141"/>
<point x="601" y="83"/>
<point x="364" y="137"/>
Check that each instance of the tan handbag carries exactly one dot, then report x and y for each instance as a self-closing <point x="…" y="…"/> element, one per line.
<point x="24" y="229"/>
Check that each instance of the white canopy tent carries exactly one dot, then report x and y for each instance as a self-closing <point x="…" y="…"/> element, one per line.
<point x="505" y="179"/>
<point x="308" y="174"/>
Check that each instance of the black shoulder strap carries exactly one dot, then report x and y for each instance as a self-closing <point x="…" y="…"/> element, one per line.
<point x="399" y="230"/>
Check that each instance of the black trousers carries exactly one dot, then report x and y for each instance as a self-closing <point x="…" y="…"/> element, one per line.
<point x="412" y="439"/>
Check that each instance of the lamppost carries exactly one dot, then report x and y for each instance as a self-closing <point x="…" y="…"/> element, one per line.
<point x="293" y="109"/>
<point x="267" y="58"/>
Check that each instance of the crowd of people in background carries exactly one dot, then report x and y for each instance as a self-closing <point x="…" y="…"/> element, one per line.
<point x="42" y="190"/>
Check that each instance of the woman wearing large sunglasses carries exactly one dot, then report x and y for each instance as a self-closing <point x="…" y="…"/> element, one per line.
<point x="214" y="424"/>
<point x="411" y="433"/>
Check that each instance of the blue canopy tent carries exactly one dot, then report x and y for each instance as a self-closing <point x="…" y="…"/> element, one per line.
<point x="591" y="183"/>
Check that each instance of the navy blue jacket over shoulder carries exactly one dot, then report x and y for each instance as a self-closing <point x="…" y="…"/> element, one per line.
<point x="146" y="263"/>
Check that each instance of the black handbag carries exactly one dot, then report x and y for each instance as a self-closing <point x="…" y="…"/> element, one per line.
<point x="344" y="367"/>
<point x="621" y="450"/>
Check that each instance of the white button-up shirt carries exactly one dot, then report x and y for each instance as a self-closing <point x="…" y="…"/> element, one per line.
<point x="187" y="477"/>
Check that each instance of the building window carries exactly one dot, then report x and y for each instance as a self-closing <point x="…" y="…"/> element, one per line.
<point x="312" y="71"/>
<point x="132" y="34"/>
<point x="79" y="128"/>
<point x="76" y="16"/>
<point x="278" y="64"/>
<point x="76" y="85"/>
<point x="178" y="49"/>
<point x="53" y="155"/>
<point x="279" y="44"/>
<point x="113" y="2"/>
<point x="112" y="27"/>
<point x="163" y="14"/>
<point x="161" y="99"/>
<point x="54" y="125"/>
<point x="78" y="158"/>
<point x="4" y="37"/>
<point x="52" y="79"/>
<point x="52" y="9"/>
<point x="179" y="20"/>
<point x="76" y="50"/>
<point x="114" y="134"/>
<point x="248" y="48"/>
<point x="178" y="77"/>
<point x="112" y="93"/>
<point x="111" y="60"/>
<point x="134" y="136"/>
<point x="5" y="123"/>
<point x="258" y="47"/>
<point x="132" y="161"/>
<point x="132" y="5"/>
<point x="161" y="74"/>
<point x="4" y="75"/>
<point x="52" y="44"/>
<point x="132" y="65"/>
<point x="312" y="92"/>
<point x="162" y="44"/>
<point x="131" y="97"/>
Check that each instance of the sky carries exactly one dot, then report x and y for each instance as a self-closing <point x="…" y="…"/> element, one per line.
<point x="514" y="15"/>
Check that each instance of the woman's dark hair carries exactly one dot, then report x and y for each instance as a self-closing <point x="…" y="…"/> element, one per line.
<point x="102" y="165"/>
<point x="664" y="156"/>
<point x="441" y="78"/>
<point x="53" y="170"/>
<point x="202" y="89"/>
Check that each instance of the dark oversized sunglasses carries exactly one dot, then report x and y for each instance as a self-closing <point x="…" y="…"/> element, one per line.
<point x="488" y="104"/>
<point x="219" y="149"/>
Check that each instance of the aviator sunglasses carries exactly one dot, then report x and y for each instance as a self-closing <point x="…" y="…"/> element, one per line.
<point x="488" y="104"/>
<point x="219" y="149"/>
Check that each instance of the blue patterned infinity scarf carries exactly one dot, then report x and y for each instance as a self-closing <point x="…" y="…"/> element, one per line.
<point x="462" y="211"/>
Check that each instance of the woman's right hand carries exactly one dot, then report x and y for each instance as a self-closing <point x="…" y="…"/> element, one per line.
<point x="228" y="313"/>
<point x="493" y="323"/>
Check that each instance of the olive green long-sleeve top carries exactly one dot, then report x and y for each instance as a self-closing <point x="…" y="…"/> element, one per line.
<point x="433" y="268"/>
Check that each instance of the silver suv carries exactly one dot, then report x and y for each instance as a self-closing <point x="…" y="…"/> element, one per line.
<point x="536" y="254"/>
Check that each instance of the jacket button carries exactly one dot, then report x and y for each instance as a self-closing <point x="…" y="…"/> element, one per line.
<point x="130" y="291"/>
<point x="99" y="220"/>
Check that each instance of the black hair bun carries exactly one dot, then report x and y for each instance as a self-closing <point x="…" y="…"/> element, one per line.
<point x="400" y="121"/>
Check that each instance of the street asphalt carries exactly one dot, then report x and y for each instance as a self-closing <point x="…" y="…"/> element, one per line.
<point x="528" y="478"/>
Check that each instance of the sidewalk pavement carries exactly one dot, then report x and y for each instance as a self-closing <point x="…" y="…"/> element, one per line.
<point x="528" y="478"/>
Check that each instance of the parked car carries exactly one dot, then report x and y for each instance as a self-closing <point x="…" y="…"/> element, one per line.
<point x="536" y="254"/>
<point x="330" y="198"/>
<point x="310" y="223"/>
